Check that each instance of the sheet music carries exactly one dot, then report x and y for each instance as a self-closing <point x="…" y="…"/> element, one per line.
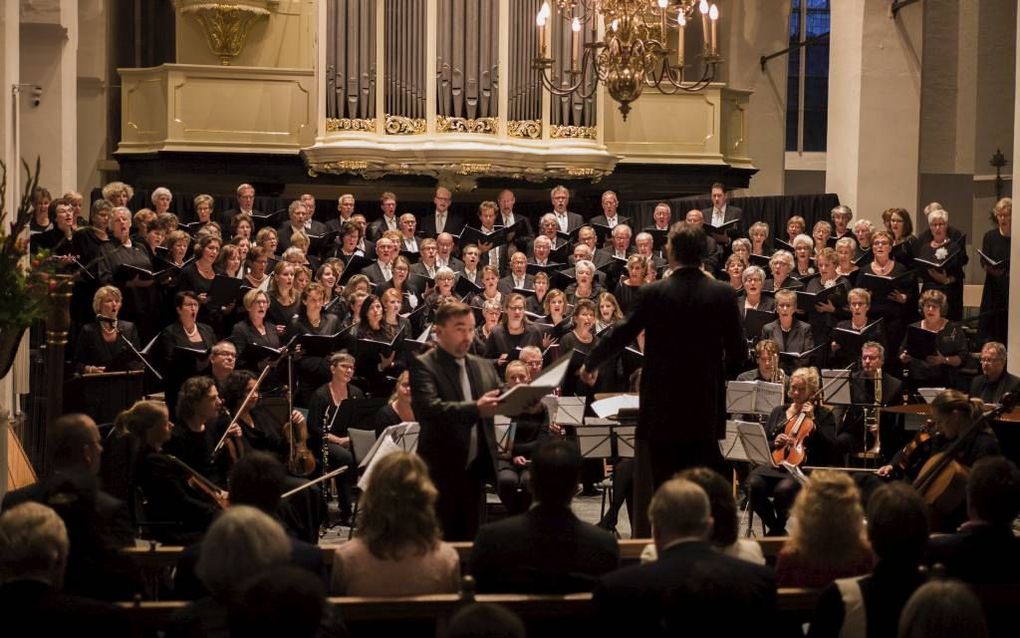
<point x="837" y="392"/>
<point x="611" y="406"/>
<point x="732" y="447"/>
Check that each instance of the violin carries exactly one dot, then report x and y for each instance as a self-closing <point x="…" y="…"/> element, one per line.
<point x="201" y="484"/>
<point x="300" y="460"/>
<point x="797" y="429"/>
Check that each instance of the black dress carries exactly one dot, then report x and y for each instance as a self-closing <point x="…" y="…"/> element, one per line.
<point x="994" y="321"/>
<point x="895" y="316"/>
<point x="321" y="413"/>
<point x="502" y="342"/>
<point x="178" y="365"/>
<point x="626" y="295"/>
<point x="141" y="304"/>
<point x="951" y="340"/>
<point x="953" y="291"/>
<point x="87" y="247"/>
<point x="312" y="371"/>
<point x="103" y="398"/>
<point x="283" y="315"/>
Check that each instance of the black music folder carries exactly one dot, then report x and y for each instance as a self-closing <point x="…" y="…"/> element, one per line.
<point x="882" y="285"/>
<point x="850" y="340"/>
<point x="921" y="343"/>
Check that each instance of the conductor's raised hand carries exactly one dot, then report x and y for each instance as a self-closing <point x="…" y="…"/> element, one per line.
<point x="588" y="377"/>
<point x="488" y="403"/>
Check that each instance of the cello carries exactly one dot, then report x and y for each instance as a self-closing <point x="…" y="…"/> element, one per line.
<point x="942" y="481"/>
<point x="300" y="460"/>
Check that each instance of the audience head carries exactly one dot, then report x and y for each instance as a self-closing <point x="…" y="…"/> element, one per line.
<point x="485" y="620"/>
<point x="398" y="508"/>
<point x="686" y="244"/>
<point x="721" y="502"/>
<point x="281" y="601"/>
<point x="257" y="479"/>
<point x="680" y="509"/>
<point x="943" y="609"/>
<point x="829" y="528"/>
<point x="993" y="491"/>
<point x="33" y="545"/>
<point x="898" y="523"/>
<point x="74" y="443"/>
<point x="555" y="471"/>
<point x="241" y="543"/>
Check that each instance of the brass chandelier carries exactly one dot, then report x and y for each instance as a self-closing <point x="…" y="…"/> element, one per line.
<point x="635" y="51"/>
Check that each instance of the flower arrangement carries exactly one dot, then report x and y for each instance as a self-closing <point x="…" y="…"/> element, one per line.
<point x="24" y="283"/>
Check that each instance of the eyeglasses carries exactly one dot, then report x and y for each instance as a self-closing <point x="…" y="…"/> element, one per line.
<point x="225" y="355"/>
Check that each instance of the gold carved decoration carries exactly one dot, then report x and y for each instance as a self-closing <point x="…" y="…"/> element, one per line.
<point x="334" y="124"/>
<point x="400" y="125"/>
<point x="226" y="24"/>
<point x="531" y="129"/>
<point x="572" y="132"/>
<point x="344" y="166"/>
<point x="474" y="168"/>
<point x="583" y="172"/>
<point x="486" y="125"/>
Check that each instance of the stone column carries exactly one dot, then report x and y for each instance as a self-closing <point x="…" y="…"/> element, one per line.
<point x="874" y="106"/>
<point x="1013" y="341"/>
<point x="9" y="38"/>
<point x="49" y="59"/>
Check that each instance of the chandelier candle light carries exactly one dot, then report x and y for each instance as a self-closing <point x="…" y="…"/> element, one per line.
<point x="635" y="51"/>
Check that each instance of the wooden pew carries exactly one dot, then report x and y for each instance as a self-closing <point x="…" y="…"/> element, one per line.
<point x="793" y="606"/>
<point x="156" y="561"/>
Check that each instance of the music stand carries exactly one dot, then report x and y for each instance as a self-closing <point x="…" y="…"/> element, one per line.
<point x="838" y="380"/>
<point x="756" y="444"/>
<point x="103" y="395"/>
<point x="731" y="447"/>
<point x="929" y="394"/>
<point x="570" y="411"/>
<point x="740" y="397"/>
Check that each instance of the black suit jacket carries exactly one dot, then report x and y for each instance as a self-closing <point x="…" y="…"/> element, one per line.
<point x="427" y="224"/>
<point x="98" y="525"/>
<point x="690" y="585"/>
<point x="446" y="419"/>
<point x="992" y="392"/>
<point x="731" y="213"/>
<point x="378" y="227"/>
<point x="602" y="221"/>
<point x="799" y="339"/>
<point x="506" y="284"/>
<point x="285" y="232"/>
<point x="978" y="553"/>
<point x="226" y="219"/>
<point x="524" y="233"/>
<point x="375" y="274"/>
<point x="544" y="550"/>
<point x="687" y="317"/>
<point x="40" y="610"/>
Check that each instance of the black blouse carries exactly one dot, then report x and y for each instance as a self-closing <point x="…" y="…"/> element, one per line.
<point x="92" y="350"/>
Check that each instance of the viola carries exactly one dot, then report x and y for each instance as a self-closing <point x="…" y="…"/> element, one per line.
<point x="797" y="429"/>
<point x="201" y="484"/>
<point x="905" y="456"/>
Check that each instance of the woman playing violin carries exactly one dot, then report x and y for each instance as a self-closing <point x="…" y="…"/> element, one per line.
<point x="785" y="423"/>
<point x="952" y="414"/>
<point x="164" y="484"/>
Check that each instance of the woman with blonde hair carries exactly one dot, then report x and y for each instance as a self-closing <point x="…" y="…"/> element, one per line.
<point x="828" y="540"/>
<point x="397" y="549"/>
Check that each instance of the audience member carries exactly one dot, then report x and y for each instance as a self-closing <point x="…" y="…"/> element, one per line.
<point x="828" y="540"/>
<point x="98" y="524"/>
<point x="871" y="605"/>
<point x="724" y="518"/>
<point x="257" y="480"/>
<point x="241" y="544"/>
<point x="284" y="601"/>
<point x="397" y="549"/>
<point x="485" y="620"/>
<point x="546" y="549"/>
<point x="943" y="609"/>
<point x="691" y="585"/>
<point x="33" y="555"/>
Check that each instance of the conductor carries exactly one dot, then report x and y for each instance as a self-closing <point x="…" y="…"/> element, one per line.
<point x="454" y="395"/>
<point x="692" y="329"/>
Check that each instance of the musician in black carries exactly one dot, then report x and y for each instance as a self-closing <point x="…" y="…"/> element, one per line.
<point x="196" y="435"/>
<point x="327" y="439"/>
<point x="871" y="388"/>
<point x="529" y="431"/>
<point x="820" y="445"/>
<point x="953" y="413"/>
